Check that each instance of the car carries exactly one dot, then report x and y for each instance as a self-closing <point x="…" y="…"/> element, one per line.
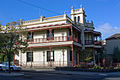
<point x="5" y="67"/>
<point x="1" y="66"/>
<point x="15" y="68"/>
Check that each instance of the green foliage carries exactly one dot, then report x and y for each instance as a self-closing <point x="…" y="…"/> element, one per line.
<point x="97" y="67"/>
<point x="81" y="65"/>
<point x="86" y="55"/>
<point x="100" y="55"/>
<point x="109" y="67"/>
<point x="11" y="39"/>
<point x="3" y="58"/>
<point x="116" y="67"/>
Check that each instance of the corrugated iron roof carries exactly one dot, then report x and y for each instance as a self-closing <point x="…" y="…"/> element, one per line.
<point x="115" y="36"/>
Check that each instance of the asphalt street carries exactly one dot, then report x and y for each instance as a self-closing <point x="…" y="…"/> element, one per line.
<point x="53" y="76"/>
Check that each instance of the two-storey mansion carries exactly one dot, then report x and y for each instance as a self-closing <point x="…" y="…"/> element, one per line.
<point x="56" y="41"/>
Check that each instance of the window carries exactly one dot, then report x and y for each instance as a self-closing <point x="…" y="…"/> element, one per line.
<point x="50" y="35"/>
<point x="30" y="36"/>
<point x="29" y="56"/>
<point x="43" y="56"/>
<point x="69" y="32"/>
<point x="50" y="56"/>
<point x="43" y="36"/>
<point x="63" y="34"/>
<point x="75" y="19"/>
<point x="78" y="19"/>
<point x="70" y="55"/>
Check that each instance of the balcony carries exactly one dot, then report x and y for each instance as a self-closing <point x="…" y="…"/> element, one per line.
<point x="55" y="39"/>
<point x="97" y="43"/>
<point x="91" y="42"/>
<point x="88" y="42"/>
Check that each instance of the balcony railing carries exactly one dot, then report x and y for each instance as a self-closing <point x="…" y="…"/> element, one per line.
<point x="54" y="39"/>
<point x="88" y="42"/>
<point x="91" y="42"/>
<point x="97" y="43"/>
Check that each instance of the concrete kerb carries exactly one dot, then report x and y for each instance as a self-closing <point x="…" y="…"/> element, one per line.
<point x="74" y="73"/>
<point x="70" y="72"/>
<point x="61" y="72"/>
<point x="12" y="74"/>
<point x="87" y="73"/>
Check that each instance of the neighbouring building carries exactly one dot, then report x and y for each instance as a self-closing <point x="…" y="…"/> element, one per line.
<point x="56" y="41"/>
<point x="113" y="47"/>
<point x="112" y="42"/>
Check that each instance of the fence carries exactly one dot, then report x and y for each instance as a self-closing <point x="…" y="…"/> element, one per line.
<point x="46" y="64"/>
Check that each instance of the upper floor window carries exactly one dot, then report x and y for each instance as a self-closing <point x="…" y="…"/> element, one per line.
<point x="78" y="19"/>
<point x="63" y="34"/>
<point x="88" y="39"/>
<point x="50" y="35"/>
<point x="30" y="36"/>
<point x="75" y="19"/>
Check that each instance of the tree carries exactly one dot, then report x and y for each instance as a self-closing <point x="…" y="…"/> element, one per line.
<point x="11" y="40"/>
<point x="100" y="56"/>
<point x="86" y="55"/>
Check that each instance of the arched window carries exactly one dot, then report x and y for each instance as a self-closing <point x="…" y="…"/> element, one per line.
<point x="75" y="19"/>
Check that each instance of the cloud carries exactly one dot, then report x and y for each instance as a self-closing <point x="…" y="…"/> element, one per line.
<point x="107" y="30"/>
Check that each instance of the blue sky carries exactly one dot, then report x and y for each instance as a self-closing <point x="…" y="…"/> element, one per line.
<point x="104" y="13"/>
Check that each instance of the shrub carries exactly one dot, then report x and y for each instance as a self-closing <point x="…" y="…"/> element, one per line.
<point x="116" y="67"/>
<point x="97" y="67"/>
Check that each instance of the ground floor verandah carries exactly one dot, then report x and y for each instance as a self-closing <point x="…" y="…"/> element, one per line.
<point x="50" y="56"/>
<point x="57" y="56"/>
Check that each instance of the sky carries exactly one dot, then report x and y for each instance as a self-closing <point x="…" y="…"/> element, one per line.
<point x="104" y="13"/>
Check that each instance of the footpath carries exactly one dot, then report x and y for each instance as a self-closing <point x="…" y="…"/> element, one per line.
<point x="52" y="71"/>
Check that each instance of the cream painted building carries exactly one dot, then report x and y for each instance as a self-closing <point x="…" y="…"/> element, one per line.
<point x="56" y="41"/>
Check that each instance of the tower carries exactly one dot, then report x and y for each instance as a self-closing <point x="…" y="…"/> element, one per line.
<point x="78" y="15"/>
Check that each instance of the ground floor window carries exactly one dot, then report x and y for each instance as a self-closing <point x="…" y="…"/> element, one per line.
<point x="50" y="56"/>
<point x="29" y="56"/>
<point x="70" y="55"/>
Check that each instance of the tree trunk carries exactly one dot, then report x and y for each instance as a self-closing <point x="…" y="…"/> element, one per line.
<point x="9" y="63"/>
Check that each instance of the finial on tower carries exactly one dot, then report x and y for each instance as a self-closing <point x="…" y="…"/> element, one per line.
<point x="81" y="6"/>
<point x="72" y="7"/>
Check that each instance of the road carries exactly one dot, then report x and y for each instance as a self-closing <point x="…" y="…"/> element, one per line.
<point x="52" y="76"/>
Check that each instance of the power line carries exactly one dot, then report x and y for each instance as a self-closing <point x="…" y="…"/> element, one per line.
<point x="30" y="4"/>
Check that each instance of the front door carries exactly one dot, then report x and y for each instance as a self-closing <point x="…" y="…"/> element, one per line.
<point x="50" y="58"/>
